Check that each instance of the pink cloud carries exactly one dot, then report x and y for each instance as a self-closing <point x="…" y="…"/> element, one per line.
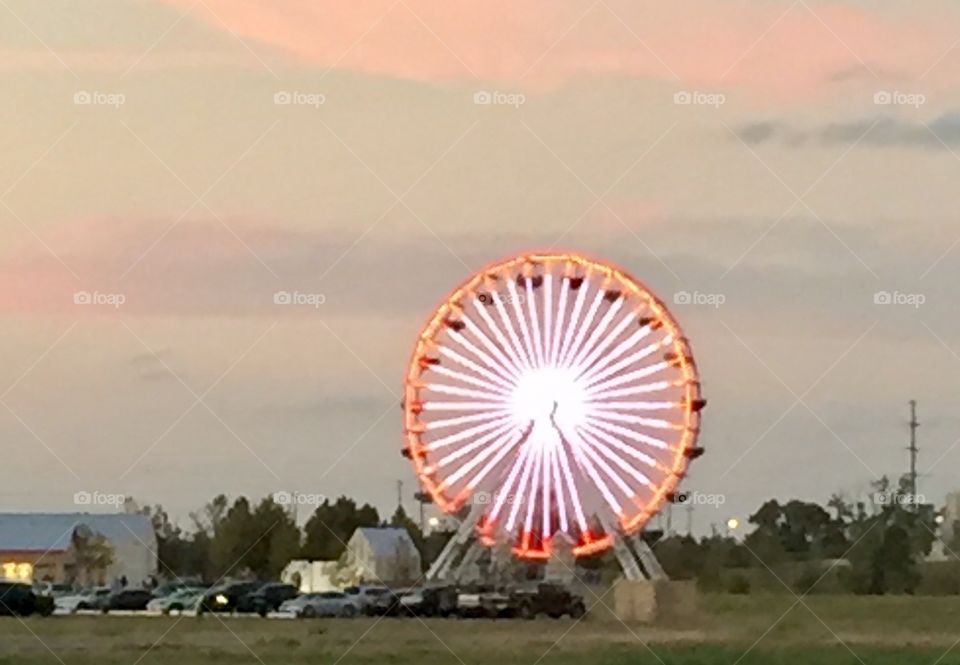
<point x="543" y="43"/>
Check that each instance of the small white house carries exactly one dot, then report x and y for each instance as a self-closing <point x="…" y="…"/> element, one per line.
<point x="311" y="576"/>
<point x="382" y="555"/>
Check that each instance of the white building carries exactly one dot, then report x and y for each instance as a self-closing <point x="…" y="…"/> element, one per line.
<point x="381" y="555"/>
<point x="42" y="547"/>
<point x="311" y="576"/>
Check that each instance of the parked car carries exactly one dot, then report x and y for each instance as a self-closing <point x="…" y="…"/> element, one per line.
<point x="182" y="599"/>
<point x="323" y="604"/>
<point x="387" y="604"/>
<point x="554" y="600"/>
<point x="267" y="598"/>
<point x="125" y="599"/>
<point x="53" y="590"/>
<point x="88" y="599"/>
<point x="172" y="587"/>
<point x="224" y="598"/>
<point x="18" y="599"/>
<point x="481" y="601"/>
<point x="361" y="596"/>
<point x="433" y="601"/>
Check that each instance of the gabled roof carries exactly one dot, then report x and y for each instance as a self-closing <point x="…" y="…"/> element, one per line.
<point x="386" y="540"/>
<point x="41" y="532"/>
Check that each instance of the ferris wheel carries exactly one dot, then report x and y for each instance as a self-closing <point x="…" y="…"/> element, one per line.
<point x="555" y="395"/>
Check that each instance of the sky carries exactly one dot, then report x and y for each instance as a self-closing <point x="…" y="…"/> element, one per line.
<point x="170" y="165"/>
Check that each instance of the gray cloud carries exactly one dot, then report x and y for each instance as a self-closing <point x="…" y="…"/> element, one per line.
<point x="939" y="134"/>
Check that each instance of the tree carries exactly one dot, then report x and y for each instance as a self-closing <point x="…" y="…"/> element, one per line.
<point x="233" y="535"/>
<point x="401" y="520"/>
<point x="92" y="555"/>
<point x="277" y="543"/>
<point x="329" y="528"/>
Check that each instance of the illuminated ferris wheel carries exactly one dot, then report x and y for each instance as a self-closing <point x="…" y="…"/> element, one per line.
<point x="554" y="395"/>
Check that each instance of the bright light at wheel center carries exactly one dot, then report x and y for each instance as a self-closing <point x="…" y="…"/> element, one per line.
<point x="548" y="396"/>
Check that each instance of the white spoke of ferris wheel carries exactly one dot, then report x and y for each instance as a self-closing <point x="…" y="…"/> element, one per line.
<point x="459" y="406"/>
<point x="522" y="320"/>
<point x="502" y="493"/>
<point x="561" y="312"/>
<point x="629" y="433"/>
<point x="654" y="423"/>
<point x="596" y="374"/>
<point x="445" y="389"/>
<point x="496" y="367"/>
<point x="621" y="446"/>
<point x="535" y="471"/>
<point x="585" y="465"/>
<point x="466" y="378"/>
<point x="508" y="349"/>
<point x="588" y="450"/>
<point x="517" y="436"/>
<point x="547" y="314"/>
<point x="644" y="389"/>
<point x="581" y="365"/>
<point x="582" y="329"/>
<point x="472" y="446"/>
<point x="511" y="331"/>
<point x="593" y="390"/>
<point x="561" y="501"/>
<point x="601" y="327"/>
<point x="546" y="468"/>
<point x="574" y="319"/>
<point x="493" y="423"/>
<point x="571" y="485"/>
<point x="466" y="362"/>
<point x="463" y="420"/>
<point x="524" y="477"/>
<point x="603" y="405"/>
<point x="513" y="371"/>
<point x="534" y="322"/>
<point x="504" y="443"/>
<point x="600" y="447"/>
<point x="618" y="350"/>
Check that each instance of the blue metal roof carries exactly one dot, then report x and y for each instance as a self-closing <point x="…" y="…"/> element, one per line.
<point x="53" y="531"/>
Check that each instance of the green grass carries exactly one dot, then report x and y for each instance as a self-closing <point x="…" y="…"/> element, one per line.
<point x="726" y="630"/>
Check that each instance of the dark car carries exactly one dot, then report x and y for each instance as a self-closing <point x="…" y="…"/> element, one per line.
<point x="387" y="604"/>
<point x="554" y="600"/>
<point x="432" y="601"/>
<point x="226" y="597"/>
<point x="125" y="599"/>
<point x="17" y="599"/>
<point x="267" y="598"/>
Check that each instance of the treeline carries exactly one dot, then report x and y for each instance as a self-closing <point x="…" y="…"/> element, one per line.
<point x="875" y="546"/>
<point x="867" y="547"/>
<point x="259" y="540"/>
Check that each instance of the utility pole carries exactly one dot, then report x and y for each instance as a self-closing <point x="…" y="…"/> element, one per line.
<point x="914" y="424"/>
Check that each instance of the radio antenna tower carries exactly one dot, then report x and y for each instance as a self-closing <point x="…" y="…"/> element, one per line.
<point x="914" y="424"/>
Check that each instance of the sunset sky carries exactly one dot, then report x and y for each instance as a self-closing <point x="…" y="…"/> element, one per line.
<point x="191" y="158"/>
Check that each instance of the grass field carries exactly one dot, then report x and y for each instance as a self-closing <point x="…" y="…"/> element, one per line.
<point x="834" y="630"/>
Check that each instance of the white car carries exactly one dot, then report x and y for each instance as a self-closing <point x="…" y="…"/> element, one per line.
<point x="85" y="600"/>
<point x="178" y="601"/>
<point x="323" y="604"/>
<point x="364" y="596"/>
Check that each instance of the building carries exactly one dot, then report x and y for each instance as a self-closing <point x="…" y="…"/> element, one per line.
<point x="311" y="576"/>
<point x="381" y="555"/>
<point x="65" y="548"/>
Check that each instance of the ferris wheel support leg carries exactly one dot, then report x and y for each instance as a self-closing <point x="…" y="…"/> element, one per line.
<point x="637" y="559"/>
<point x="461" y="540"/>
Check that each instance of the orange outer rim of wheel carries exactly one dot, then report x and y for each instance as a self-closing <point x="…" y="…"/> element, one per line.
<point x="681" y="349"/>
